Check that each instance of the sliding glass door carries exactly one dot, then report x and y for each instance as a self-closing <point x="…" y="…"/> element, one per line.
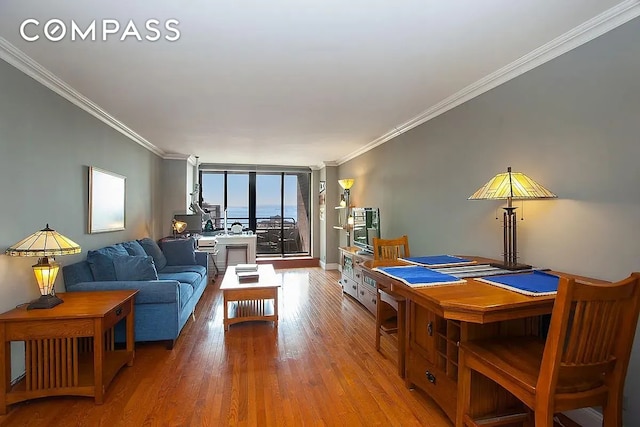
<point x="274" y="205"/>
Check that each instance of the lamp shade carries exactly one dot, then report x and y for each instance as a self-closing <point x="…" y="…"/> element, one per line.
<point x="346" y="183"/>
<point x="44" y="243"/>
<point x="179" y="226"/>
<point x="514" y="185"/>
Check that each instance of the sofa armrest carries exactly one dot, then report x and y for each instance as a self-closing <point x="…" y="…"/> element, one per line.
<point x="202" y="258"/>
<point x="150" y="292"/>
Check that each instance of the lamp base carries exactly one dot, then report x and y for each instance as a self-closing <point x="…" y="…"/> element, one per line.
<point x="510" y="266"/>
<point x="45" y="301"/>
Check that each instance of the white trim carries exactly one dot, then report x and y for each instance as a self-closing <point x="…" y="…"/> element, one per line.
<point x="329" y="266"/>
<point x="595" y="27"/>
<point x="177" y="156"/>
<point x="586" y="417"/>
<point x="24" y="63"/>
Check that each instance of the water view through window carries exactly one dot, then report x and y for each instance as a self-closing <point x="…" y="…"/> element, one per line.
<point x="275" y="206"/>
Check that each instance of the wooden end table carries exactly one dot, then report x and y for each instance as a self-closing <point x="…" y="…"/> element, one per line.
<point x="254" y="300"/>
<point x="69" y="349"/>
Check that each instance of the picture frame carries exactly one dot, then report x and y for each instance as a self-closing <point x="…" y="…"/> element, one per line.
<point x="323" y="186"/>
<point x="106" y="201"/>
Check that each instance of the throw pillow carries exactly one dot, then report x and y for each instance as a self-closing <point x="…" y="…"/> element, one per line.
<point x="101" y="262"/>
<point x="152" y="249"/>
<point x="135" y="268"/>
<point x="134" y="248"/>
<point x="180" y="251"/>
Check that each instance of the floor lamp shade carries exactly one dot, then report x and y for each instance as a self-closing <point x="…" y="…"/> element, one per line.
<point x="45" y="243"/>
<point x="511" y="186"/>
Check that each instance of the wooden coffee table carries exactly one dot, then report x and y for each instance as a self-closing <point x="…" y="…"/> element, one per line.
<point x="250" y="300"/>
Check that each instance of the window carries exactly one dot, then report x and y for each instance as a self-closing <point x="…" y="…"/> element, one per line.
<point x="274" y="205"/>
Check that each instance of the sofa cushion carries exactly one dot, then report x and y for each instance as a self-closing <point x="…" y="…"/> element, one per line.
<point x="76" y="273"/>
<point x="186" y="291"/>
<point x="134" y="268"/>
<point x="189" y="278"/>
<point x="101" y="262"/>
<point x="180" y="251"/>
<point x="152" y="249"/>
<point x="202" y="271"/>
<point x="134" y="248"/>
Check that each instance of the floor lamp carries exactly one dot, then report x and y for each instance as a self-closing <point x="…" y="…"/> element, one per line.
<point x="511" y="186"/>
<point x="346" y="185"/>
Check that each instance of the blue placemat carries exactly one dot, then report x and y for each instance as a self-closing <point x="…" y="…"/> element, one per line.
<point x="438" y="260"/>
<point x="537" y="283"/>
<point x="416" y="276"/>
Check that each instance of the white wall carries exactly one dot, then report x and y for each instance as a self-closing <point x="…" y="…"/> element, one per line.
<point x="46" y="146"/>
<point x="572" y="124"/>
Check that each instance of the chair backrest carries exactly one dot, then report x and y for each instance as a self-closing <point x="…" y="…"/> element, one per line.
<point x="590" y="336"/>
<point x="390" y="249"/>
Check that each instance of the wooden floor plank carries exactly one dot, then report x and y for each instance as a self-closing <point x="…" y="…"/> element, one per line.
<point x="318" y="367"/>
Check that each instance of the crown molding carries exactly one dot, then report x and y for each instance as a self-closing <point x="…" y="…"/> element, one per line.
<point x="328" y="163"/>
<point x="20" y="60"/>
<point x="589" y="30"/>
<point x="179" y="156"/>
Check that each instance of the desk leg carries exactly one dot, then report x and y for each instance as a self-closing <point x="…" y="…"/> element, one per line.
<point x="402" y="319"/>
<point x="5" y="372"/>
<point x="98" y="356"/>
<point x="275" y="307"/>
<point x="130" y="324"/>
<point x="226" y="310"/>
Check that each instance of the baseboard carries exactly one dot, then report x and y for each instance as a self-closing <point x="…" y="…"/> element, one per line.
<point x="328" y="266"/>
<point x="586" y="417"/>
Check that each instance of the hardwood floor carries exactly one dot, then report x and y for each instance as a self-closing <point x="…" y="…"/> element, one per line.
<point x="319" y="367"/>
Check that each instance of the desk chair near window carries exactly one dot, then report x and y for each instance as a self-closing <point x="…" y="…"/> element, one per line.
<point x="583" y="362"/>
<point x="390" y="307"/>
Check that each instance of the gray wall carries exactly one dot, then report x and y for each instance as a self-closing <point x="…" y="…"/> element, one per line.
<point x="177" y="184"/>
<point x="572" y="124"/>
<point x="46" y="146"/>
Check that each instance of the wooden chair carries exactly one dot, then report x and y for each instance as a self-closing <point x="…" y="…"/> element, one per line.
<point x="583" y="362"/>
<point x="391" y="308"/>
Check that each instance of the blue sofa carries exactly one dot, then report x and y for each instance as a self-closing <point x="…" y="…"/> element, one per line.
<point x="170" y="281"/>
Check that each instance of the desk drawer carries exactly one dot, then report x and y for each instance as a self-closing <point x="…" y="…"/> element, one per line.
<point x="424" y="375"/>
<point x="367" y="297"/>
<point x="117" y="314"/>
<point x="349" y="286"/>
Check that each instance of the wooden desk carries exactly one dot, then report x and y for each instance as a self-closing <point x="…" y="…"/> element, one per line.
<point x="69" y="349"/>
<point x="254" y="300"/>
<point x="438" y="318"/>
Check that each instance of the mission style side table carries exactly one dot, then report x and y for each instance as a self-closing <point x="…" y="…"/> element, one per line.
<point x="69" y="349"/>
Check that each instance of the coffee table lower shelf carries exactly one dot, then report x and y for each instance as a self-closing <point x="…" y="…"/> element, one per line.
<point x="250" y="310"/>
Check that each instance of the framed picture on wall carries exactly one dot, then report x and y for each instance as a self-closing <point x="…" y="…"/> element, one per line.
<point x="106" y="201"/>
<point x="323" y="186"/>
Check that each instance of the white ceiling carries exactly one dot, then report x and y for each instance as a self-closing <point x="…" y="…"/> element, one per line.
<point x="295" y="82"/>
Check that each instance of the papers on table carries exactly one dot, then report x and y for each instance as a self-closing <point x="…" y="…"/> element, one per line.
<point x="477" y="270"/>
<point x="417" y="276"/>
<point x="534" y="284"/>
<point x="433" y="261"/>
